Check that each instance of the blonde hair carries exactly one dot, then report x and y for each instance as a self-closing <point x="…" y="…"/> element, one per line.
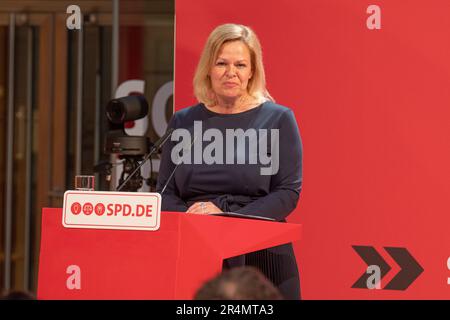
<point x="226" y="33"/>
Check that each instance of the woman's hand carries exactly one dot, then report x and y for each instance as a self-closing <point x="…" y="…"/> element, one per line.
<point x="203" y="208"/>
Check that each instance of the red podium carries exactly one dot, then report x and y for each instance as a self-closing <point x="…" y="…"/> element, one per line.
<point x="170" y="263"/>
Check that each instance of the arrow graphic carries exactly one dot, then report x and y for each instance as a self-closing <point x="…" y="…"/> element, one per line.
<point x="410" y="268"/>
<point x="410" y="271"/>
<point x="370" y="257"/>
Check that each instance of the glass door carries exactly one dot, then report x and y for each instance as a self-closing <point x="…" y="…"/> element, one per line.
<point x="54" y="87"/>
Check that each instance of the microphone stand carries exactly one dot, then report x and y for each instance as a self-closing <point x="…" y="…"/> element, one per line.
<point x="154" y="148"/>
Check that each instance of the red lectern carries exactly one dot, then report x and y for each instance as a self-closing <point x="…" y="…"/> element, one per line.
<point x="170" y="263"/>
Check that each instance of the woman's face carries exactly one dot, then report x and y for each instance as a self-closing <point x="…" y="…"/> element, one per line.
<point x="231" y="71"/>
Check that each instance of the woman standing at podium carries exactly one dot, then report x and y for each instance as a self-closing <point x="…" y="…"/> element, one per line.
<point x="229" y="85"/>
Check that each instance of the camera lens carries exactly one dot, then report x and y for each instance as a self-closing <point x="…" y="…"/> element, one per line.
<point x="115" y="112"/>
<point x="126" y="109"/>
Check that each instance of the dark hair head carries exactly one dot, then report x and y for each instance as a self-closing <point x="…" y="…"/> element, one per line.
<point x="243" y="283"/>
<point x="17" y="295"/>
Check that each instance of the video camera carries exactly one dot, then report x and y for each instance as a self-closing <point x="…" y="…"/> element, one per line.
<point x="132" y="149"/>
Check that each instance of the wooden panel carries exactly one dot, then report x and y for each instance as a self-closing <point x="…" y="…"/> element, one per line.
<point x="58" y="170"/>
<point x="138" y="19"/>
<point x="60" y="6"/>
<point x="44" y="130"/>
<point x="3" y="89"/>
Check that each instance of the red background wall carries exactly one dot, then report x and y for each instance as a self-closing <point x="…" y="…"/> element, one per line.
<point x="373" y="107"/>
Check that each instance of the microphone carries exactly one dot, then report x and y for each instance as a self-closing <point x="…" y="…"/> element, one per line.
<point x="156" y="146"/>
<point x="174" y="169"/>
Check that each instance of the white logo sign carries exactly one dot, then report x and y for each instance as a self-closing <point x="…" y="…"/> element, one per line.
<point x="74" y="20"/>
<point x="373" y="22"/>
<point x="74" y="280"/>
<point x="251" y="142"/>
<point x="112" y="210"/>
<point x="374" y="281"/>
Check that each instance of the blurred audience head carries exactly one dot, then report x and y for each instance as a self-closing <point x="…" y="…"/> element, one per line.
<point x="242" y="283"/>
<point x="17" y="295"/>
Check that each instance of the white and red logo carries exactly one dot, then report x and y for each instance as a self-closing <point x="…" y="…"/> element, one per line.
<point x="75" y="208"/>
<point x="112" y="210"/>
<point x="100" y="209"/>
<point x="87" y="208"/>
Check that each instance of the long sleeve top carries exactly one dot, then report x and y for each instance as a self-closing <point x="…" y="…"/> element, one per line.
<point x="233" y="182"/>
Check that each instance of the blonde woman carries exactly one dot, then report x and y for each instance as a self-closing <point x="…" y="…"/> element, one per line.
<point x="236" y="150"/>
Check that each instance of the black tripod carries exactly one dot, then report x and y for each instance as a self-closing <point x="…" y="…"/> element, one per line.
<point x="130" y="164"/>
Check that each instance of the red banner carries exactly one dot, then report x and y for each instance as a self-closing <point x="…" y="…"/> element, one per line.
<point x="369" y="86"/>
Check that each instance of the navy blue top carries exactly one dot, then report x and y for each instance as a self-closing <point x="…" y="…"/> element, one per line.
<point x="236" y="187"/>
